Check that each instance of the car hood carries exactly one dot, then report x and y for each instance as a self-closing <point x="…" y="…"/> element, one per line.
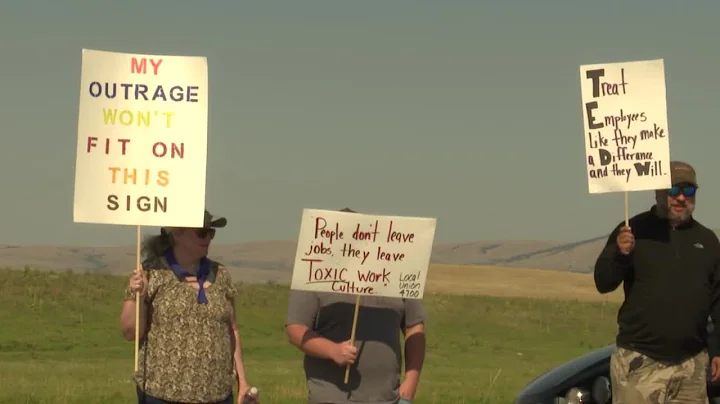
<point x="571" y="373"/>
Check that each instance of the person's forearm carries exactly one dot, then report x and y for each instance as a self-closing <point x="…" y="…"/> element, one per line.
<point x="237" y="355"/>
<point x="311" y="343"/>
<point x="127" y="319"/>
<point x="414" y="357"/>
<point x="610" y="269"/>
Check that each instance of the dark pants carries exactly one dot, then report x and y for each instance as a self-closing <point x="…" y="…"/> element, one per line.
<point x="147" y="399"/>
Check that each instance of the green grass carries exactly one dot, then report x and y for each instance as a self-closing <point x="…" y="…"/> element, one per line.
<point x="60" y="342"/>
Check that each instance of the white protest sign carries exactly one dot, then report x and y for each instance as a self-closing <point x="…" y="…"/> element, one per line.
<point x="625" y="123"/>
<point x="361" y="254"/>
<point x="142" y="140"/>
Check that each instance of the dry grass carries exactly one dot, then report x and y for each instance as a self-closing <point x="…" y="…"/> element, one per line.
<point x="60" y="341"/>
<point x="483" y="281"/>
<point x="515" y="282"/>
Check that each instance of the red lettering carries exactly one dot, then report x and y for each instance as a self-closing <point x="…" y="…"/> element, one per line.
<point x="331" y="235"/>
<point x="324" y="274"/>
<point x="399" y="237"/>
<point x="374" y="277"/>
<point x="384" y="256"/>
<point x="366" y="235"/>
<point x="91" y="143"/>
<point x="139" y="66"/>
<point x="156" y="65"/>
<point x="124" y="144"/>
<point x="319" y="249"/>
<point x="350" y="288"/>
<point x="160" y="149"/>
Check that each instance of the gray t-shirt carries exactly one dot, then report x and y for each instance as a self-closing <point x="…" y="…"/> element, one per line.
<point x="375" y="376"/>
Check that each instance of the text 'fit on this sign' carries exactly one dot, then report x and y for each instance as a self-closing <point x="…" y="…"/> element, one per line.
<point x="142" y="140"/>
<point x="361" y="254"/>
<point x="625" y="123"/>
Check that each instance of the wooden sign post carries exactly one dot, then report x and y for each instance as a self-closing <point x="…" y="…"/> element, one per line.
<point x="363" y="255"/>
<point x="141" y="143"/>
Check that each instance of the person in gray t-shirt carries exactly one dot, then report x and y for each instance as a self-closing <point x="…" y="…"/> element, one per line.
<point x="320" y="323"/>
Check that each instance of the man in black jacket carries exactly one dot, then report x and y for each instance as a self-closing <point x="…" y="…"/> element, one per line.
<point x="670" y="266"/>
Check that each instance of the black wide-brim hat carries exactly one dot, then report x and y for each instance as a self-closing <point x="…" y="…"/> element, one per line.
<point x="210" y="222"/>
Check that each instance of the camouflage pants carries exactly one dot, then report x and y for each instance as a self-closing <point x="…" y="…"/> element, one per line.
<point x="637" y="379"/>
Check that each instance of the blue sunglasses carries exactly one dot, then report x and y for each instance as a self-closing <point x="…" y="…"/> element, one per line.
<point x="687" y="190"/>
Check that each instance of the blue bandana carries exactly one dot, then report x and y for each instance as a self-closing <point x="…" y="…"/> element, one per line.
<point x="202" y="275"/>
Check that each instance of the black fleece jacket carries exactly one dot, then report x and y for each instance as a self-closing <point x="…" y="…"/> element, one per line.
<point x="671" y="283"/>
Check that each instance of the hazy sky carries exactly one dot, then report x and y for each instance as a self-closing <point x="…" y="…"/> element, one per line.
<point x="451" y="109"/>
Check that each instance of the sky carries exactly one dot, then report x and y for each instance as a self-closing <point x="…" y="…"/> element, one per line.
<point x="466" y="111"/>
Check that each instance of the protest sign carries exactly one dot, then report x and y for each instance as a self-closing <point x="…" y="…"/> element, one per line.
<point x="142" y="140"/>
<point x="625" y="124"/>
<point x="361" y="254"/>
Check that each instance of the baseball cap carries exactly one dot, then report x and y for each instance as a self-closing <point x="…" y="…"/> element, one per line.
<point x="682" y="173"/>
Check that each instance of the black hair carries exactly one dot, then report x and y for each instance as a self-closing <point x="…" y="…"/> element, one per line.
<point x="154" y="247"/>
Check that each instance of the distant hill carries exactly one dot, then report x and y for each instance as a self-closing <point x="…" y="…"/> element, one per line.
<point x="273" y="260"/>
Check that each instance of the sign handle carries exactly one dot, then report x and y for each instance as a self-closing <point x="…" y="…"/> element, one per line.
<point x="137" y="302"/>
<point x="627" y="211"/>
<point x="352" y="335"/>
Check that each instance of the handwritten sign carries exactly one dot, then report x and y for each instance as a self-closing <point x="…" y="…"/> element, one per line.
<point x="626" y="130"/>
<point x="142" y="140"/>
<point x="361" y="254"/>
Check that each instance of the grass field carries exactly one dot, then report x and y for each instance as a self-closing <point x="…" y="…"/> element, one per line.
<point x="60" y="341"/>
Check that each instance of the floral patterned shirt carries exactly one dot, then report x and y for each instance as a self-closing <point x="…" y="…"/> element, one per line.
<point x="187" y="355"/>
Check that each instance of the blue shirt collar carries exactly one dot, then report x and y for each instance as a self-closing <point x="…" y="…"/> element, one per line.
<point x="202" y="274"/>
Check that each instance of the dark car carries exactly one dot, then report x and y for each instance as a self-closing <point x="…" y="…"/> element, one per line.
<point x="586" y="379"/>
